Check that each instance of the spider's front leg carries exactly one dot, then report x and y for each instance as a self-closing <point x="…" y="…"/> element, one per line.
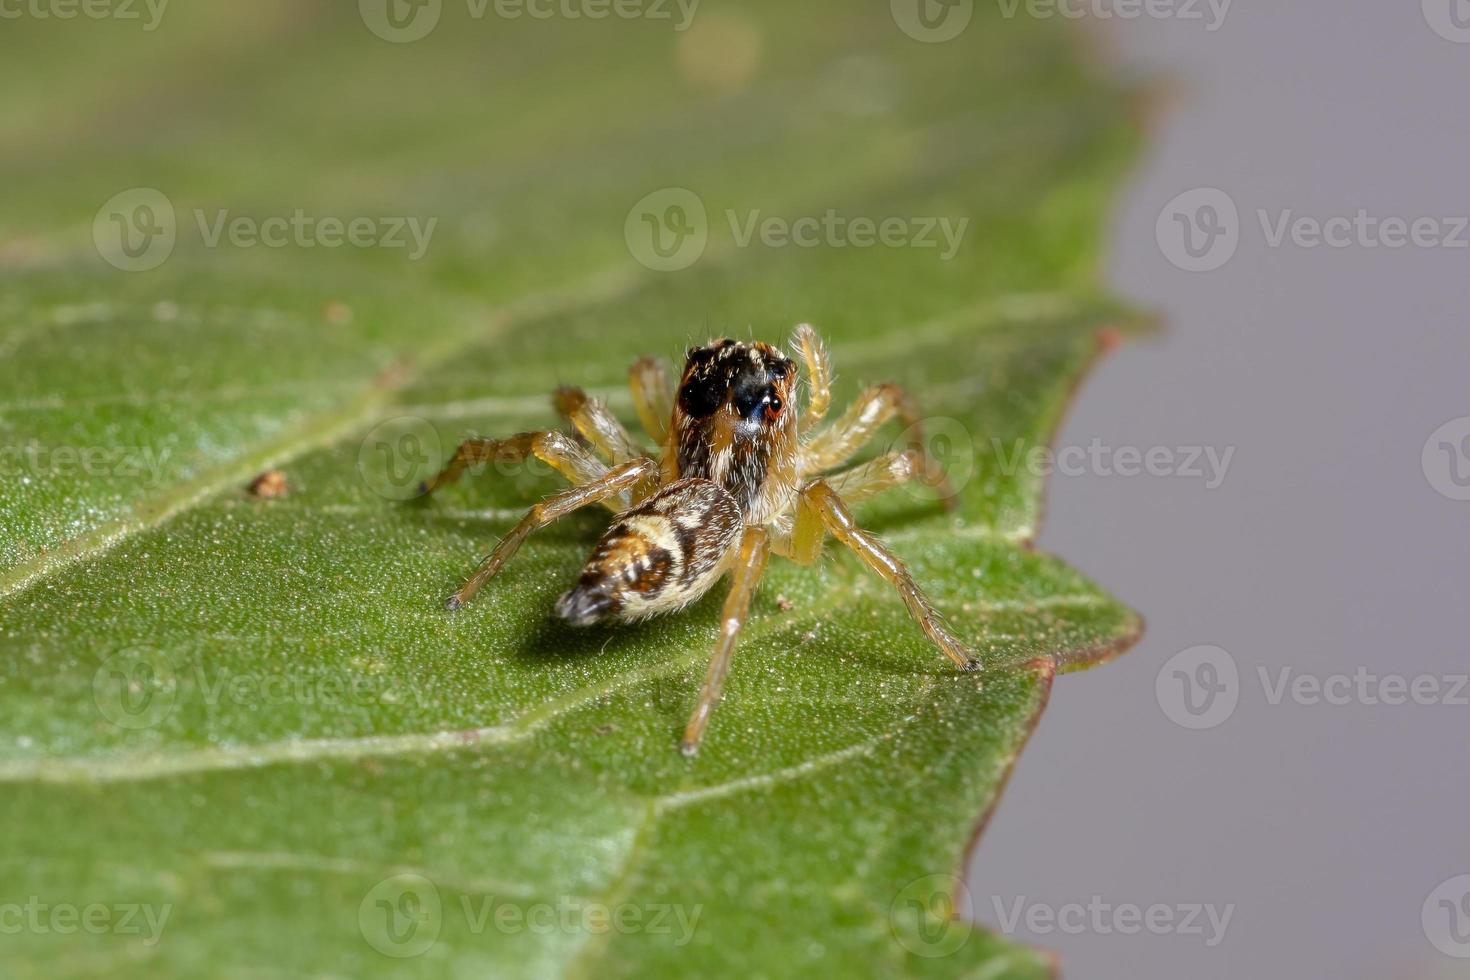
<point x="820" y="510"/>
<point x="746" y="574"/>
<point x="840" y="441"/>
<point x="620" y="479"/>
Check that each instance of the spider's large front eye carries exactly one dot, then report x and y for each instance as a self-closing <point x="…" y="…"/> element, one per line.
<point x="701" y="398"/>
<point x="758" y="400"/>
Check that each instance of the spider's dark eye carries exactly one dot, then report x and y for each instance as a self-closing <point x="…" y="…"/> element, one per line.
<point x="754" y="400"/>
<point x="701" y="397"/>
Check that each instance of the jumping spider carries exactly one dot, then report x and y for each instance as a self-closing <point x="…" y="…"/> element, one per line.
<point x="739" y="475"/>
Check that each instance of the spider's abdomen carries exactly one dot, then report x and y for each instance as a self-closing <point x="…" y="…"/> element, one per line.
<point x="657" y="557"/>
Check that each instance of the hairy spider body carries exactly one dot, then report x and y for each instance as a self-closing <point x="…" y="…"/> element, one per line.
<point x="657" y="557"/>
<point x="740" y="475"/>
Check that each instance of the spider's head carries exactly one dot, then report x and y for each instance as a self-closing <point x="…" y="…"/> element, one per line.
<point x="750" y="384"/>
<point x="735" y="416"/>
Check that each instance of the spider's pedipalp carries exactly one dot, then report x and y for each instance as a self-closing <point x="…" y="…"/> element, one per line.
<point x="819" y="374"/>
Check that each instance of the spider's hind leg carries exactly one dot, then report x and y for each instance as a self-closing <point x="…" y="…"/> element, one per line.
<point x="552" y="448"/>
<point x="616" y="481"/>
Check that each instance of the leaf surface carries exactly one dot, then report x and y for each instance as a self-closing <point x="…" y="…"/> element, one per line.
<point x="255" y="712"/>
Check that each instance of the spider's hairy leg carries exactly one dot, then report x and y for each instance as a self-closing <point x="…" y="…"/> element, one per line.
<point x="746" y="574"/>
<point x="552" y="448"/>
<point x="653" y="397"/>
<point x="818" y="372"/>
<point x="618" y="480"/>
<point x="838" y="442"/>
<point x="596" y="425"/>
<point x="882" y="474"/>
<point x="822" y="509"/>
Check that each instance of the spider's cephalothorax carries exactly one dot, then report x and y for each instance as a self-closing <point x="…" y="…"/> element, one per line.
<point x="734" y="423"/>
<point x="738" y="477"/>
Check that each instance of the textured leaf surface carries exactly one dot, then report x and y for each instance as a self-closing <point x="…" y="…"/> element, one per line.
<point x="255" y="713"/>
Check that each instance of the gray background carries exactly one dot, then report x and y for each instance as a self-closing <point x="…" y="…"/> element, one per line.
<point x="1325" y="549"/>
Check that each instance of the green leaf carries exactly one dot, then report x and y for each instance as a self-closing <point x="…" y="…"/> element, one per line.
<point x="253" y="716"/>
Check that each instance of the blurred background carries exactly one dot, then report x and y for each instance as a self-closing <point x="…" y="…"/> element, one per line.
<point x="1336" y="544"/>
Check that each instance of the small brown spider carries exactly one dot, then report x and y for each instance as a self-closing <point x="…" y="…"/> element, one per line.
<point x="739" y="475"/>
